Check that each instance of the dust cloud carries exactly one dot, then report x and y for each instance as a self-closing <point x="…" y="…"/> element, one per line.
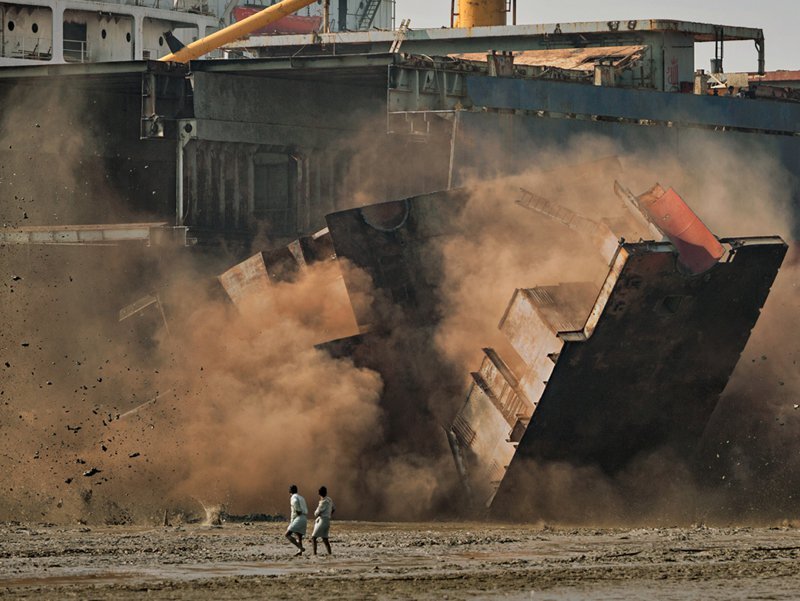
<point x="56" y="160"/>
<point x="108" y="421"/>
<point x="219" y="405"/>
<point x="745" y="468"/>
<point x="233" y="405"/>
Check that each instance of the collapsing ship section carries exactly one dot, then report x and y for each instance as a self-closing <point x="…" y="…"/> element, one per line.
<point x="610" y="376"/>
<point x="388" y="272"/>
<point x="603" y="374"/>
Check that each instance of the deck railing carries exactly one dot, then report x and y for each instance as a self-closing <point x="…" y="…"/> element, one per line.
<point x="34" y="48"/>
<point x="76" y="51"/>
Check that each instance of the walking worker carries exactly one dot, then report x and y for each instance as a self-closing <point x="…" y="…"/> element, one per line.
<point x="322" y="524"/>
<point x="298" y="523"/>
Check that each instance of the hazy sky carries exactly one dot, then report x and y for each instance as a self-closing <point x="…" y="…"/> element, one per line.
<point x="780" y="20"/>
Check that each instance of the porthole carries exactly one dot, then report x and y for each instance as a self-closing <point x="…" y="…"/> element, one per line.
<point x="35" y="28"/>
<point x="160" y="41"/>
<point x="103" y="33"/>
<point x="10" y="26"/>
<point x="128" y="37"/>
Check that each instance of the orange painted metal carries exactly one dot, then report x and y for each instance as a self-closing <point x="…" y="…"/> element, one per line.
<point x="289" y="24"/>
<point x="480" y="13"/>
<point x="698" y="248"/>
<point x="236" y="31"/>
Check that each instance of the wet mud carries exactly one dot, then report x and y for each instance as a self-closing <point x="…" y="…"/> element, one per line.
<point x="399" y="561"/>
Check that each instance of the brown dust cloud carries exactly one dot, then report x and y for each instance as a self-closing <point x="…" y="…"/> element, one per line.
<point x="116" y="422"/>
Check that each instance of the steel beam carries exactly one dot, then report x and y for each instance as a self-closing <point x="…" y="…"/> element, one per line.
<point x="112" y="234"/>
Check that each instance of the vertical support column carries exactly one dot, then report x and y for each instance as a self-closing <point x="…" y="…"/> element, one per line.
<point x="179" y="184"/>
<point x="185" y="133"/>
<point x="453" y="134"/>
<point x="342" y="15"/>
<point x="330" y="180"/>
<point x="138" y="36"/>
<point x="303" y="190"/>
<point x="719" y="49"/>
<point x="251" y="184"/>
<point x="208" y="184"/>
<point x="317" y="201"/>
<point x="190" y="168"/>
<point x="221" y="168"/>
<point x="58" y="33"/>
<point x="760" y="50"/>
<point x="237" y="193"/>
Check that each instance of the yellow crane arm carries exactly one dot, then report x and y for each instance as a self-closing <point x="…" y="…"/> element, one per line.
<point x="236" y="30"/>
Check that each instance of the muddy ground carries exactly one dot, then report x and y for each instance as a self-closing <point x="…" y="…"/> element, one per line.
<point x="399" y="561"/>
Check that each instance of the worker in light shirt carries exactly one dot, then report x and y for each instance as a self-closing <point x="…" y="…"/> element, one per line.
<point x="298" y="523"/>
<point x="322" y="524"/>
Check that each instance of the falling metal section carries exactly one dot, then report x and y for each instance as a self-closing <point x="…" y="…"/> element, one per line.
<point x="614" y="373"/>
<point x="650" y="374"/>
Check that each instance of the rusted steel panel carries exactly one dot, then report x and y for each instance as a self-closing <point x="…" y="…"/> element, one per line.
<point x="484" y="428"/>
<point x="255" y="275"/>
<point x="246" y="278"/>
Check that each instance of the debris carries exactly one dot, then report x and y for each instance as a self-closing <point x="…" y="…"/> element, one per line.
<point x="91" y="472"/>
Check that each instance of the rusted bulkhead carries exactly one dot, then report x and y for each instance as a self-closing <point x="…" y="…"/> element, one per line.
<point x="255" y="275"/>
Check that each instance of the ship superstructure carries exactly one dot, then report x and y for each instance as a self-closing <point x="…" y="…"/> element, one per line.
<point x="86" y="31"/>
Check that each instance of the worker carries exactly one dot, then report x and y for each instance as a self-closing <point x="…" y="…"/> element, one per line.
<point x="322" y="524"/>
<point x="298" y="523"/>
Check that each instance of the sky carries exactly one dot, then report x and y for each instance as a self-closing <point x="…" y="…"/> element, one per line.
<point x="780" y="20"/>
